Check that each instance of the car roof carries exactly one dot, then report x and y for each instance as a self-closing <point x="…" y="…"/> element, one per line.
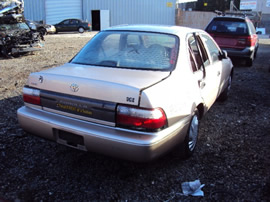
<point x="71" y="19"/>
<point x="232" y="18"/>
<point x="153" y="28"/>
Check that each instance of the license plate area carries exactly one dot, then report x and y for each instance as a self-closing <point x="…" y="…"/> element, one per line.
<point x="79" y="106"/>
<point x="70" y="139"/>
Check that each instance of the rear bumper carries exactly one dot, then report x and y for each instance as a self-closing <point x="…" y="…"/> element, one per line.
<point x="243" y="53"/>
<point x="108" y="140"/>
<point x="51" y="29"/>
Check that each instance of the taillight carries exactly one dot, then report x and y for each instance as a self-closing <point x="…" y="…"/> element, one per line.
<point x="140" y="118"/>
<point x="253" y="40"/>
<point x="31" y="96"/>
<point x="247" y="41"/>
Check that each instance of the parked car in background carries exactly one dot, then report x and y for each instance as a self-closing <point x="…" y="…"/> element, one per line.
<point x="132" y="92"/>
<point x="71" y="25"/>
<point x="42" y="28"/>
<point x="236" y="35"/>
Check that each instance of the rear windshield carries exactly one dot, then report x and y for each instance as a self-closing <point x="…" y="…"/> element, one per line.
<point x="228" y="26"/>
<point x="132" y="50"/>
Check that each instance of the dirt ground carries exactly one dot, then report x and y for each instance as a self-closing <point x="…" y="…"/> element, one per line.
<point x="232" y="158"/>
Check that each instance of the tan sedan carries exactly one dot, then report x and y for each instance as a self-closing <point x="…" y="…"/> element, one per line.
<point x="133" y="92"/>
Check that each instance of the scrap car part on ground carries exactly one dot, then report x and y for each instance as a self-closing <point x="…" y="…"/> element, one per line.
<point x="16" y="37"/>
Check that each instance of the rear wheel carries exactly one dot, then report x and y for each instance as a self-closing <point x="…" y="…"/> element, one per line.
<point x="249" y="62"/>
<point x="81" y="29"/>
<point x="186" y="149"/>
<point x="255" y="54"/>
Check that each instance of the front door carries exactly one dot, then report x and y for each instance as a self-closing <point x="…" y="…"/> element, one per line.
<point x="74" y="24"/>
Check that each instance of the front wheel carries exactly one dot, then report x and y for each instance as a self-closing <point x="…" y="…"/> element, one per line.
<point x="225" y="94"/>
<point x="43" y="31"/>
<point x="249" y="62"/>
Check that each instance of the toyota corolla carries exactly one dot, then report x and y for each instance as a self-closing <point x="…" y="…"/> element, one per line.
<point x="133" y="92"/>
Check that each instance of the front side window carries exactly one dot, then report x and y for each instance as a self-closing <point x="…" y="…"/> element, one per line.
<point x="66" y="22"/>
<point x="212" y="47"/>
<point x="251" y="27"/>
<point x="133" y="50"/>
<point x="203" y="52"/>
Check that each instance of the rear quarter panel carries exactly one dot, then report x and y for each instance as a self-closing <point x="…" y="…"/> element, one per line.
<point x="178" y="95"/>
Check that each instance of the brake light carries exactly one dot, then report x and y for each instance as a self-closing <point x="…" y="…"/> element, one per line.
<point x="140" y="118"/>
<point x="247" y="41"/>
<point x="253" y="39"/>
<point x="31" y="96"/>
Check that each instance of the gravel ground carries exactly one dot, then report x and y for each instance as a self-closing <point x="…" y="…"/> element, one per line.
<point x="232" y="158"/>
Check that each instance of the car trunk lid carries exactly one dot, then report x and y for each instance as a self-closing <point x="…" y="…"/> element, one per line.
<point x="99" y="83"/>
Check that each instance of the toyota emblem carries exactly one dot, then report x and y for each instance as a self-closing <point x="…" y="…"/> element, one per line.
<point x="74" y="87"/>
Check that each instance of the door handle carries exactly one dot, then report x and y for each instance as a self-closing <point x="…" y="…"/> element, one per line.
<point x="218" y="73"/>
<point x="202" y="84"/>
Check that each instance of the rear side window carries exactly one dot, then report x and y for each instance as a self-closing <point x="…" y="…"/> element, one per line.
<point x="251" y="27"/>
<point x="74" y="22"/>
<point x="66" y="22"/>
<point x="198" y="55"/>
<point x="228" y="26"/>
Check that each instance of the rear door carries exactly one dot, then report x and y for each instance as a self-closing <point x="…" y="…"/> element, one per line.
<point x="74" y="24"/>
<point x="208" y="75"/>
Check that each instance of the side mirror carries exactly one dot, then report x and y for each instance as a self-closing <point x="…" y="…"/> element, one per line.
<point x="223" y="55"/>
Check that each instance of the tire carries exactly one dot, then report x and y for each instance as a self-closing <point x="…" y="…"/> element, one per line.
<point x="255" y="54"/>
<point x="186" y="149"/>
<point x="225" y="94"/>
<point x="81" y="30"/>
<point x="249" y="62"/>
<point x="43" y="31"/>
<point x="5" y="52"/>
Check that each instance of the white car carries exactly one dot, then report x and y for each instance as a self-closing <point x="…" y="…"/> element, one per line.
<point x="133" y="92"/>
